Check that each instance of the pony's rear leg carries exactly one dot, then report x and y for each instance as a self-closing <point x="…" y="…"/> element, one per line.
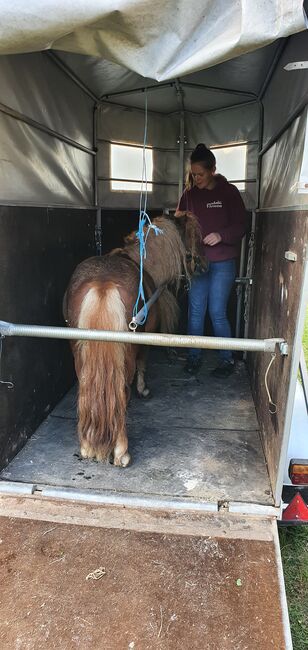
<point x="142" y="389"/>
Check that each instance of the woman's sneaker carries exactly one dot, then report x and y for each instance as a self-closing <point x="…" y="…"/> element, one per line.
<point x="193" y="365"/>
<point x="225" y="369"/>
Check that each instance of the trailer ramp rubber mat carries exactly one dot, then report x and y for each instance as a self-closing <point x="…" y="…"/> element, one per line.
<point x="68" y="586"/>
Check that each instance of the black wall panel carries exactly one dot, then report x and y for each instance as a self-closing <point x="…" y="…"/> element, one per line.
<point x="39" y="249"/>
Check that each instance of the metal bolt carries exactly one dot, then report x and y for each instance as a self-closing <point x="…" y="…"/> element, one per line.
<point x="284" y="348"/>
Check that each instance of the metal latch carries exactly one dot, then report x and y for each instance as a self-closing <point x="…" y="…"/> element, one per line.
<point x="291" y="256"/>
<point x="284" y="348"/>
<point x="245" y="280"/>
<point x="223" y="505"/>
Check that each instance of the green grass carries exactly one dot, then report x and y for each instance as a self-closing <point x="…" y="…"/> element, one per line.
<point x="294" y="551"/>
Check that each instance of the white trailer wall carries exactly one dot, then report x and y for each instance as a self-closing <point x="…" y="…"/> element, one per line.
<point x="285" y="169"/>
<point x="126" y="125"/>
<point x="35" y="167"/>
<point x="288" y="89"/>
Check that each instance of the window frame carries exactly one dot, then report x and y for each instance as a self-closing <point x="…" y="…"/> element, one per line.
<point x="143" y="185"/>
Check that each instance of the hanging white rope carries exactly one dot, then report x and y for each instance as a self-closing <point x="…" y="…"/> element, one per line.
<point x="271" y="403"/>
<point x="145" y="225"/>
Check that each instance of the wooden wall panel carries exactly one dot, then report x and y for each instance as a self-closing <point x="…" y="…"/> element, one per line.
<point x="277" y="289"/>
<point x="39" y="248"/>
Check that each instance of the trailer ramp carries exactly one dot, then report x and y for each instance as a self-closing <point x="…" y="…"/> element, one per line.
<point x="168" y="580"/>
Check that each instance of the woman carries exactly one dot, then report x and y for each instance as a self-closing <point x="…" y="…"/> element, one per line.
<point x="222" y="216"/>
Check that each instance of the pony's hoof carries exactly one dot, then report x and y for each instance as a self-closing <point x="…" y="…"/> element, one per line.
<point x="122" y="461"/>
<point x="145" y="394"/>
<point x="86" y="451"/>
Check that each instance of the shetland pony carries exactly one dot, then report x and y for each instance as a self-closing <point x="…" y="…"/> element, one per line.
<point x="101" y="295"/>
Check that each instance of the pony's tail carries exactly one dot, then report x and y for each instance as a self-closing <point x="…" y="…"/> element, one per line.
<point x="168" y="312"/>
<point x="101" y="372"/>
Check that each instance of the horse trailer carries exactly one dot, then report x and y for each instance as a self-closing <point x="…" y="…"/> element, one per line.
<point x="180" y="549"/>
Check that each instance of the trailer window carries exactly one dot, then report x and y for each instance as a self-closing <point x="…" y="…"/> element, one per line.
<point x="231" y="162"/>
<point x="127" y="166"/>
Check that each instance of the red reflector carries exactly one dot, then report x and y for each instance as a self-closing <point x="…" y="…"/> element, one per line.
<point x="297" y="509"/>
<point x="298" y="472"/>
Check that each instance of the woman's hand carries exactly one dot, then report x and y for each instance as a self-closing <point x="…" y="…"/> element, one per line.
<point x="212" y="239"/>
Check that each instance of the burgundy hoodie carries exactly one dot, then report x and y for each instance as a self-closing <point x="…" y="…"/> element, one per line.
<point x="218" y="210"/>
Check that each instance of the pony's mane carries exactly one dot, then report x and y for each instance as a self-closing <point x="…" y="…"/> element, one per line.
<point x="165" y="253"/>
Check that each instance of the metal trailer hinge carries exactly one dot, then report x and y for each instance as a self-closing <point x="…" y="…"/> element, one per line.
<point x="296" y="65"/>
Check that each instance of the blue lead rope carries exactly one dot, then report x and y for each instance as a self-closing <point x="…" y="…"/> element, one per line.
<point x="144" y="223"/>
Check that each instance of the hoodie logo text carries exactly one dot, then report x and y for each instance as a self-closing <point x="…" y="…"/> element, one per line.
<point x="215" y="204"/>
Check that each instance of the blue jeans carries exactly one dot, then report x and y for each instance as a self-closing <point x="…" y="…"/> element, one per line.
<point x="211" y="291"/>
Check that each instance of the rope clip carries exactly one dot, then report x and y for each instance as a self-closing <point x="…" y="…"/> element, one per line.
<point x="133" y="325"/>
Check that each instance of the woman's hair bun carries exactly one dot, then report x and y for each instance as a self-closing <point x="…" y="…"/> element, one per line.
<point x="201" y="147"/>
<point x="201" y="154"/>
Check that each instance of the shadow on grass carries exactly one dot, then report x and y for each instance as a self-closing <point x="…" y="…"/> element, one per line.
<point x="294" y="552"/>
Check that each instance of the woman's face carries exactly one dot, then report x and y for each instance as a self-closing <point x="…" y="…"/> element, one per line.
<point x="203" y="178"/>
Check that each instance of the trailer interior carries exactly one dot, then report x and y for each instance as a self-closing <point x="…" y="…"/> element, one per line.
<point x="195" y="438"/>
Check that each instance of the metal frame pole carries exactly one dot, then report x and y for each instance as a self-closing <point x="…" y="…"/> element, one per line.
<point x="98" y="223"/>
<point x="16" y="115"/>
<point x="181" y="140"/>
<point x="217" y="89"/>
<point x="136" y="91"/>
<point x="134" y="180"/>
<point x="181" y="156"/>
<point x="299" y="109"/>
<point x="142" y="338"/>
<point x="239" y="289"/>
<point x="69" y="73"/>
<point x="250" y="265"/>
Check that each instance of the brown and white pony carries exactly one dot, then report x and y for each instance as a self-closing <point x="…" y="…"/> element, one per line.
<point x="101" y="295"/>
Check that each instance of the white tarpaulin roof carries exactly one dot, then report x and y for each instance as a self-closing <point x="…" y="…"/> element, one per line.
<point x="160" y="40"/>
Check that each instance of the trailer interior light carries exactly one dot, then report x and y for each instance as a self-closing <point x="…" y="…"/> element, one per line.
<point x="298" y="471"/>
